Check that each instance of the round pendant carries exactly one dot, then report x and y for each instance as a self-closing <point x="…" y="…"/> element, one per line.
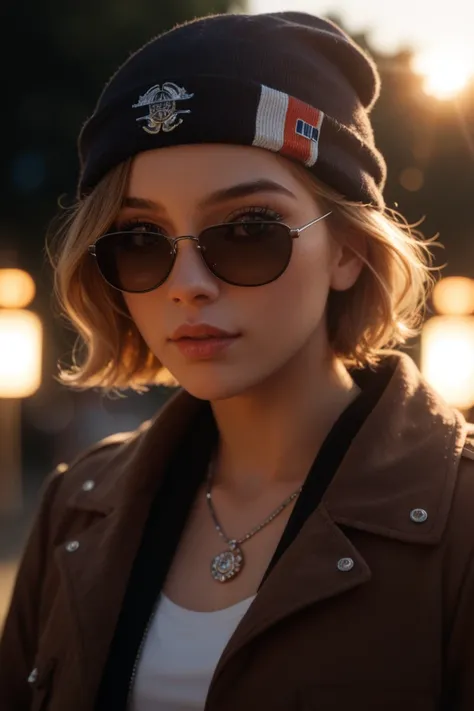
<point x="227" y="564"/>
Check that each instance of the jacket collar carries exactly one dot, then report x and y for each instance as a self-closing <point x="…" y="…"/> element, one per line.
<point x="404" y="458"/>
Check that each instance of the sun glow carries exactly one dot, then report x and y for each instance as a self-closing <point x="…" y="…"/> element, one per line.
<point x="446" y="71"/>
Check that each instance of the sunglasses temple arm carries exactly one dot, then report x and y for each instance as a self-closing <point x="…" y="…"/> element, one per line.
<point x="310" y="224"/>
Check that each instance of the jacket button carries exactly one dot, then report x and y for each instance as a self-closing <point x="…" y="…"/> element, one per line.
<point x="33" y="676"/>
<point x="61" y="468"/>
<point x="88" y="485"/>
<point x="418" y="515"/>
<point x="72" y="546"/>
<point x="345" y="564"/>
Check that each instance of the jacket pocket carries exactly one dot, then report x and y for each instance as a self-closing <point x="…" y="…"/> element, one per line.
<point x="41" y="684"/>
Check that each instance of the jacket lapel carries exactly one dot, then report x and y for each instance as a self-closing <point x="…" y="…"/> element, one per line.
<point x="404" y="458"/>
<point x="314" y="568"/>
<point x="102" y="563"/>
<point x="110" y="520"/>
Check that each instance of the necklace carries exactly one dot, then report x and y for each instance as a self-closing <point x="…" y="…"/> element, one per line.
<point x="229" y="563"/>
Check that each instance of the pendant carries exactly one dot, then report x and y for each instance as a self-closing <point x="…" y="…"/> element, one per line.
<point x="227" y="564"/>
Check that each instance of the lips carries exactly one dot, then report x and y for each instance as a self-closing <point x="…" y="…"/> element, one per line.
<point x="202" y="331"/>
<point x="204" y="348"/>
<point x="200" y="338"/>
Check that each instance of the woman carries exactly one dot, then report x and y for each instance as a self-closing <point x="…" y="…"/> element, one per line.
<point x="294" y="529"/>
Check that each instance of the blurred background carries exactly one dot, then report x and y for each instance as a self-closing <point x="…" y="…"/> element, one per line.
<point x="57" y="57"/>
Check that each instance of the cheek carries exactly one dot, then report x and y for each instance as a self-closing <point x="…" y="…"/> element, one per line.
<point x="145" y="310"/>
<point x="284" y="315"/>
<point x="297" y="300"/>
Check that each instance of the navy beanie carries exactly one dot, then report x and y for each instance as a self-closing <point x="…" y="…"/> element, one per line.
<point x="288" y="82"/>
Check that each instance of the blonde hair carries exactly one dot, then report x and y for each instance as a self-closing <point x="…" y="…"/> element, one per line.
<point x="382" y="310"/>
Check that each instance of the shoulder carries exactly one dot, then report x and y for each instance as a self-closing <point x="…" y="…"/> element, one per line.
<point x="468" y="449"/>
<point x="92" y="464"/>
<point x="464" y="486"/>
<point x="461" y="515"/>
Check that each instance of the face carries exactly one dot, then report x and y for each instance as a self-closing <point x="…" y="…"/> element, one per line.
<point x="186" y="190"/>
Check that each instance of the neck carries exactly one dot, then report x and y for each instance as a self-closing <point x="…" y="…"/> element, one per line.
<point x="269" y="436"/>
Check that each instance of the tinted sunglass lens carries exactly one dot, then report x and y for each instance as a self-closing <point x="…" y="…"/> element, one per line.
<point x="134" y="261"/>
<point x="247" y="253"/>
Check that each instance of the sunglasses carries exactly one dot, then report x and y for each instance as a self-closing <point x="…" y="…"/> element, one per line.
<point x="247" y="253"/>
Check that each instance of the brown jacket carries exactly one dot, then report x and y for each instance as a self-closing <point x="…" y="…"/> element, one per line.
<point x="393" y="632"/>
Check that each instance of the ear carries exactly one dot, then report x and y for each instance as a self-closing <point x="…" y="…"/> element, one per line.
<point x="347" y="263"/>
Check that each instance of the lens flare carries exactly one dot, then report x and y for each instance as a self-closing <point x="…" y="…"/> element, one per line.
<point x="446" y="71"/>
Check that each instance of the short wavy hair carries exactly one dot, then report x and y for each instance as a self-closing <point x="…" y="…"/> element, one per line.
<point x="383" y="310"/>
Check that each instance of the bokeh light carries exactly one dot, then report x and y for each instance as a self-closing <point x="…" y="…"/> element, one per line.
<point x="447" y="358"/>
<point x="28" y="171"/>
<point x="412" y="179"/>
<point x="17" y="288"/>
<point x="21" y="336"/>
<point x="454" y="295"/>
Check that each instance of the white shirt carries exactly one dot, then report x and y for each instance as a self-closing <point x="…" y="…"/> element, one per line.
<point x="180" y="655"/>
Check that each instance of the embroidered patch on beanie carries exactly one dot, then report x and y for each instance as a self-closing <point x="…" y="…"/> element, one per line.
<point x="288" y="126"/>
<point x="161" y="102"/>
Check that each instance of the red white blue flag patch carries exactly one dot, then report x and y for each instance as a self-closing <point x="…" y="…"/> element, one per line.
<point x="288" y="126"/>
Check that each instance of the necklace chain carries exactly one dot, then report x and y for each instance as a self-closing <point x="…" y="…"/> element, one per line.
<point x="255" y="529"/>
<point x="229" y="563"/>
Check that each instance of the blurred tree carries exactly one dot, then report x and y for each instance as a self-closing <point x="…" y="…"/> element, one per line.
<point x="57" y="57"/>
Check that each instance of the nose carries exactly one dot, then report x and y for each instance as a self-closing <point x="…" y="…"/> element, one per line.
<point x="190" y="278"/>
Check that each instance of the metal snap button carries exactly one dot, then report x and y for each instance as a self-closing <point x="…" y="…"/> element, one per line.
<point x="345" y="564"/>
<point x="33" y="676"/>
<point x="88" y="485"/>
<point x="61" y="468"/>
<point x="418" y="515"/>
<point x="72" y="546"/>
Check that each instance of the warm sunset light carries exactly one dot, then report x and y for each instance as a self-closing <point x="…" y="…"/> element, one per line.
<point x="446" y="71"/>
<point x="447" y="358"/>
<point x="21" y="336"/>
<point x="454" y="296"/>
<point x="17" y="288"/>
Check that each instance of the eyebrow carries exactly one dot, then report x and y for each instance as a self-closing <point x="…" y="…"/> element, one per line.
<point x="222" y="195"/>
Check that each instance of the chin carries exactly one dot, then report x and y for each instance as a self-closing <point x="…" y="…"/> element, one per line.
<point x="212" y="384"/>
<point x="212" y="389"/>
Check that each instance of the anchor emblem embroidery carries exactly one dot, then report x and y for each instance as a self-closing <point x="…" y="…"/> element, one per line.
<point x="161" y="102"/>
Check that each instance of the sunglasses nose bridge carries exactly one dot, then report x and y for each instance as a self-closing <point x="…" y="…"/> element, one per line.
<point x="175" y="240"/>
